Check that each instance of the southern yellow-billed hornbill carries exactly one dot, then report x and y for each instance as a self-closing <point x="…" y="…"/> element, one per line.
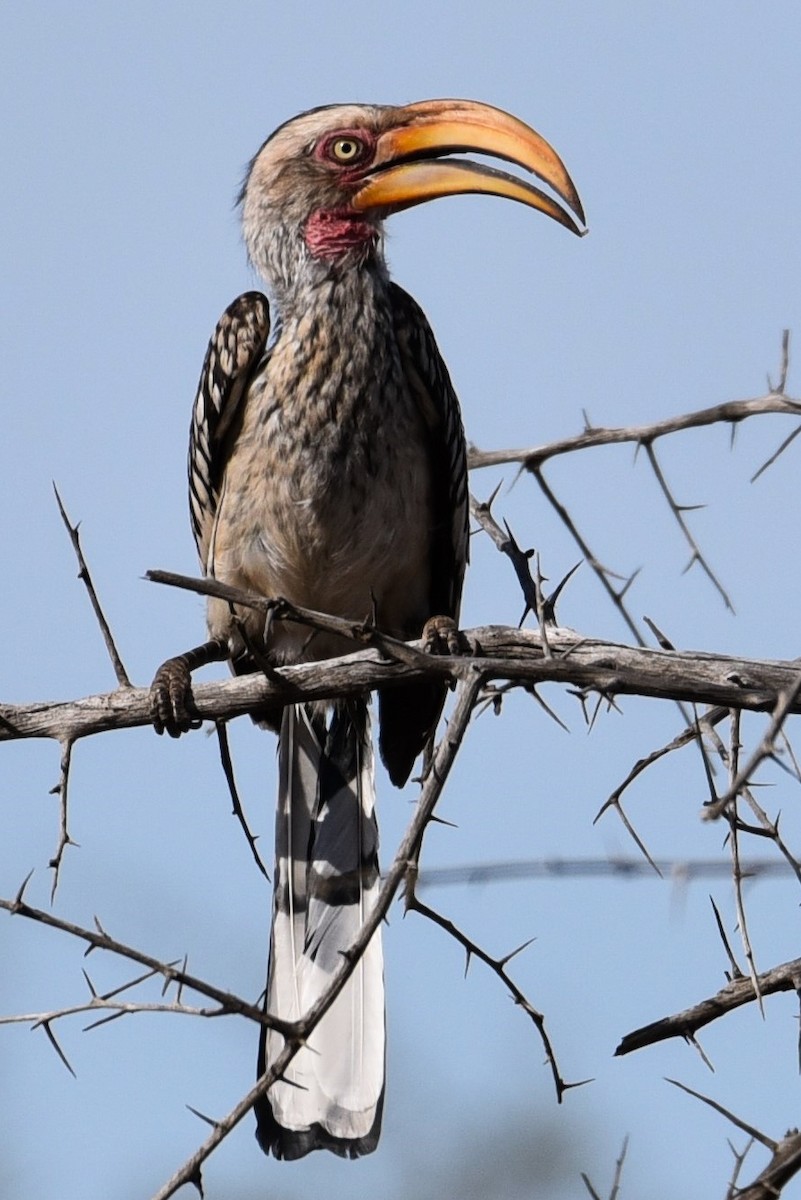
<point x="329" y="468"/>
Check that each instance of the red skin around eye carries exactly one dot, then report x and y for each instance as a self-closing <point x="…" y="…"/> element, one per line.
<point x="330" y="233"/>
<point x="323" y="148"/>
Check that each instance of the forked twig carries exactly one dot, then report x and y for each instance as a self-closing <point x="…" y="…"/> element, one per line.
<point x="615" y="1190"/>
<point x="98" y="939"/>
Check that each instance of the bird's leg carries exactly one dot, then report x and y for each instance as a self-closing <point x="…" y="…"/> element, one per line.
<point x="441" y="635"/>
<point x="172" y="705"/>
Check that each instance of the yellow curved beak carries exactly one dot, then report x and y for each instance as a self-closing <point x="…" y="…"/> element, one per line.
<point x="408" y="168"/>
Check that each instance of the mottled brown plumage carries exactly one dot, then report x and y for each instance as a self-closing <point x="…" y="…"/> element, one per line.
<point x="330" y="468"/>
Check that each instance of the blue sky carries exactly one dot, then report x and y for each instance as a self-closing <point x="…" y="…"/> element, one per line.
<point x="125" y="135"/>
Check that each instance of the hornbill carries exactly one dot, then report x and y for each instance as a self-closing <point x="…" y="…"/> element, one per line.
<point x="327" y="465"/>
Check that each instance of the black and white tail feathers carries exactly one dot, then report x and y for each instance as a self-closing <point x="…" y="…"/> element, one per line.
<point x="326" y="883"/>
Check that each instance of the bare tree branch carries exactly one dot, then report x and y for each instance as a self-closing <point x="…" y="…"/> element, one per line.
<point x="604" y="575"/>
<point x="705" y="722"/>
<point x="498" y="966"/>
<point x="785" y="1160"/>
<point x="513" y="654"/>
<point x="783" y="1166"/>
<point x="730" y="412"/>
<point x="597" y="672"/>
<point x="505" y="542"/>
<point x="98" y="939"/>
<point x="784" y="978"/>
<point x="751" y="1130"/>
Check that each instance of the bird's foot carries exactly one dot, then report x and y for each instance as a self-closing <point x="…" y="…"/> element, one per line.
<point x="172" y="705"/>
<point x="441" y="635"/>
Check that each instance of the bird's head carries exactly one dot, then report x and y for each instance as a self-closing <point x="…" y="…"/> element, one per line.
<point x="321" y="185"/>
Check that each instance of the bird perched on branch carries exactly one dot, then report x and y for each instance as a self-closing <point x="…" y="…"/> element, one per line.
<point x="327" y="466"/>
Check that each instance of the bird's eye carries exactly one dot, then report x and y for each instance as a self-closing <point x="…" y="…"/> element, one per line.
<point x="346" y="149"/>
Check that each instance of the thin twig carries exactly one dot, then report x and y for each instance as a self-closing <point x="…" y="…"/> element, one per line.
<point x="86" y="578"/>
<point x="586" y="1181"/>
<point x="116" y="1007"/>
<point x="98" y="939"/>
<point x="632" y="832"/>
<point x="619" y="1169"/>
<point x="678" y="510"/>
<point x="230" y="778"/>
<point x="736" y="971"/>
<point x="498" y="966"/>
<point x="62" y="791"/>
<point x="737" y="871"/>
<point x="616" y="595"/>
<point x="785" y="1160"/>
<point x="739" y="1162"/>
<point x="751" y="1130"/>
<point x="687" y="735"/>
<point x="764" y="750"/>
<point x="613" y="1194"/>
<point x="732" y="411"/>
<point x="788" y="441"/>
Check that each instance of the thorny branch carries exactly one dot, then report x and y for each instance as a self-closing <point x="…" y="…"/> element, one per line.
<point x="99" y="939"/>
<point x="295" y="1037"/>
<point x="295" y="1033"/>
<point x="62" y="787"/>
<point x="678" y="511"/>
<point x="496" y="965"/>
<point x="685" y="1024"/>
<point x="515" y="654"/>
<point x="86" y="578"/>
<point x="737" y="868"/>
<point x="785" y="1161"/>
<point x="732" y="413"/>
<point x="233" y="791"/>
<point x="521" y="658"/>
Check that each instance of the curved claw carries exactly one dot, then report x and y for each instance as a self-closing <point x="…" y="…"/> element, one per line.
<point x="172" y="705"/>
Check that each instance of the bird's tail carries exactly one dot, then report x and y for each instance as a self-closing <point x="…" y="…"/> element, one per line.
<point x="326" y="883"/>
